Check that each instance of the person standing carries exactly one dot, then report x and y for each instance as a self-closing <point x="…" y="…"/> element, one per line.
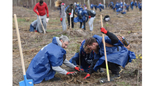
<point x="41" y="9"/>
<point x="70" y="13"/>
<point x="132" y="4"/>
<point x="92" y="15"/>
<point x="63" y="16"/>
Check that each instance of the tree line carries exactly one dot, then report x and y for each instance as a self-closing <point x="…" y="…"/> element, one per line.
<point x="51" y="5"/>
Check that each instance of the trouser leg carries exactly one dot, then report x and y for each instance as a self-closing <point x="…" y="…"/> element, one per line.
<point x="39" y="28"/>
<point x="44" y="22"/>
<point x="72" y="21"/>
<point x="91" y="23"/>
<point x="64" y="23"/>
<point x="115" y="69"/>
<point x="84" y="23"/>
<point x="68" y="19"/>
<point x="80" y="24"/>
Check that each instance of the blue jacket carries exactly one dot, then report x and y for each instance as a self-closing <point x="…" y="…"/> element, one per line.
<point x="101" y="6"/>
<point x="119" y="10"/>
<point x="40" y="67"/>
<point x="91" y="6"/>
<point x="132" y="3"/>
<point x="82" y="16"/>
<point x="117" y="54"/>
<point x="86" y="59"/>
<point x="135" y="4"/>
<point x="117" y="5"/>
<point x="139" y="5"/>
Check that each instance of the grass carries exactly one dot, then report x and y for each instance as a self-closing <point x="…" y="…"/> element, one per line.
<point x="122" y="84"/>
<point x="55" y="30"/>
<point x="21" y="20"/>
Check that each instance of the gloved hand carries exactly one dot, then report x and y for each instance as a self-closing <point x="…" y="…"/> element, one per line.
<point x="89" y="16"/>
<point x="38" y="13"/>
<point x="103" y="30"/>
<point x="71" y="73"/>
<point x="78" y="69"/>
<point x="69" y="13"/>
<point x="47" y="15"/>
<point x="87" y="76"/>
<point x="61" y="19"/>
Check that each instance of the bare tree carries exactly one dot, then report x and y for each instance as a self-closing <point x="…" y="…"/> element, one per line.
<point x="50" y="3"/>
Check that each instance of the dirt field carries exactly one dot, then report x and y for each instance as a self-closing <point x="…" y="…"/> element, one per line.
<point x="128" y="25"/>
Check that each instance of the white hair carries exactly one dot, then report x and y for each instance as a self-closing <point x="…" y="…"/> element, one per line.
<point x="64" y="38"/>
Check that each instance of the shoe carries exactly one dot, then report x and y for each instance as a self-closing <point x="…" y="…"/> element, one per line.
<point x="101" y="70"/>
<point x="121" y="70"/>
<point x="55" y="79"/>
<point x="115" y="76"/>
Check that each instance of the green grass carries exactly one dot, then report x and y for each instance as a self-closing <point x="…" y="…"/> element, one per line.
<point x="21" y="20"/>
<point x="122" y="84"/>
<point x="56" y="30"/>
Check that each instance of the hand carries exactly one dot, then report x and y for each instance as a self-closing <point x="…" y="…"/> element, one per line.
<point x="47" y="15"/>
<point x="38" y="13"/>
<point x="71" y="73"/>
<point x="87" y="76"/>
<point x="69" y="13"/>
<point x="103" y="30"/>
<point x="61" y="19"/>
<point x="89" y="16"/>
<point x="78" y="69"/>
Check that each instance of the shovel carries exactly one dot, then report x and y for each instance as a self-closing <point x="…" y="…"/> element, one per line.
<point x="42" y="25"/>
<point x="107" y="70"/>
<point x="25" y="82"/>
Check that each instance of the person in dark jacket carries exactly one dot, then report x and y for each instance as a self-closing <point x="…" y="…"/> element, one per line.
<point x="48" y="60"/>
<point x="70" y="13"/>
<point x="82" y="57"/>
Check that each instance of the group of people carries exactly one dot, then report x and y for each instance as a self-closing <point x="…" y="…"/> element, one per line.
<point x="100" y="6"/>
<point x="90" y="57"/>
<point x="122" y="7"/>
<point x="82" y="13"/>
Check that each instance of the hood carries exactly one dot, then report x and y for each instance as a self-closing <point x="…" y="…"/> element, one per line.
<point x="98" y="39"/>
<point x="56" y="41"/>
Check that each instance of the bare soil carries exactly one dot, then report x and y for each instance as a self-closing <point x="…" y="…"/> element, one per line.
<point x="128" y="25"/>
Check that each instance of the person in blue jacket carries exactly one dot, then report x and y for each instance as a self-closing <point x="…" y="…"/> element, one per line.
<point x="140" y="5"/>
<point x="82" y="57"/>
<point x="48" y="61"/>
<point x="91" y="6"/>
<point x="82" y="17"/>
<point x="100" y="6"/>
<point x="117" y="54"/>
<point x="132" y="4"/>
<point x="95" y="5"/>
<point x="135" y="4"/>
<point x="127" y="7"/>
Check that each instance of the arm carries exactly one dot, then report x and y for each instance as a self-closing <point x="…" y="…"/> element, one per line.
<point x="67" y="63"/>
<point x="62" y="11"/>
<point x="46" y="7"/>
<point x="67" y="11"/>
<point x="74" y="58"/>
<point x="34" y="9"/>
<point x="59" y="70"/>
<point x="114" y="38"/>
